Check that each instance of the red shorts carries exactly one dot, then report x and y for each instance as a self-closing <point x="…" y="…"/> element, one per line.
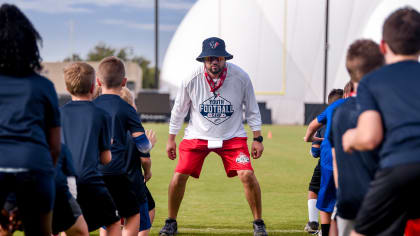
<point x="412" y="228"/>
<point x="192" y="152"/>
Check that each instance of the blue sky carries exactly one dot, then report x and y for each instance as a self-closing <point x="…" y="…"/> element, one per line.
<point x="117" y="23"/>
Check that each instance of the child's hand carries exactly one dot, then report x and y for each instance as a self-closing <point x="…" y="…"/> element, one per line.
<point x="151" y="135"/>
<point x="147" y="176"/>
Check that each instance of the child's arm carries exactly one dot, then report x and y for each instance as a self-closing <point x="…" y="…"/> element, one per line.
<point x="146" y="164"/>
<point x="145" y="141"/>
<point x="54" y="143"/>
<point x="105" y="157"/>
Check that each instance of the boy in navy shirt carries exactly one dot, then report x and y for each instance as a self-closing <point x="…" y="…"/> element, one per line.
<point x="111" y="79"/>
<point x="390" y="120"/>
<point x="353" y="171"/>
<point x="86" y="132"/>
<point x="29" y="123"/>
<point x="134" y="160"/>
<point x="67" y="215"/>
<point x="327" y="193"/>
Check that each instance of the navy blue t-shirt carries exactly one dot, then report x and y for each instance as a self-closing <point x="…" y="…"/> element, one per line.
<point x="133" y="168"/>
<point x="86" y="132"/>
<point x="28" y="109"/>
<point x="63" y="169"/>
<point x="393" y="91"/>
<point x="356" y="169"/>
<point x="325" y="118"/>
<point x="124" y="118"/>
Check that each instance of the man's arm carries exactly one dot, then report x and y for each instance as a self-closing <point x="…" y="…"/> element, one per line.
<point x="367" y="135"/>
<point x="257" y="147"/>
<point x="171" y="147"/>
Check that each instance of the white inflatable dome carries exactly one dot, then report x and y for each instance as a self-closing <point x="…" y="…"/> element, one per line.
<point x="279" y="43"/>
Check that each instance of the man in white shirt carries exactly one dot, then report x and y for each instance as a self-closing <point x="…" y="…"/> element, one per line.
<point x="217" y="94"/>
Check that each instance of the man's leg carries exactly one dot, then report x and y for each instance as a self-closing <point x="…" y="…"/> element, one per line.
<point x="252" y="192"/>
<point x="176" y="193"/>
<point x="132" y="224"/>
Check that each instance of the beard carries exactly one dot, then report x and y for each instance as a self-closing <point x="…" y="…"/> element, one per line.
<point x="215" y="68"/>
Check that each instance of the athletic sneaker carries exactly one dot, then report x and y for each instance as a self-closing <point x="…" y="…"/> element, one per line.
<point x="312" y="227"/>
<point x="170" y="228"/>
<point x="259" y="228"/>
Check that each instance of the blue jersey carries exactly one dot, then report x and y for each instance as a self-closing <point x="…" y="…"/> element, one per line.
<point x="325" y="118"/>
<point x="86" y="132"/>
<point x="124" y="118"/>
<point x="393" y="92"/>
<point x="356" y="169"/>
<point x="28" y="109"/>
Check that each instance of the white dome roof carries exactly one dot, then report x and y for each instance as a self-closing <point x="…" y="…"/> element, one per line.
<point x="279" y="43"/>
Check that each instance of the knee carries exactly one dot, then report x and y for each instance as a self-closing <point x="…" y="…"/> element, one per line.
<point x="247" y="176"/>
<point x="179" y="179"/>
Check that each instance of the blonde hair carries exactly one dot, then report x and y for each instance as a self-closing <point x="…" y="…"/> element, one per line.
<point x="127" y="96"/>
<point x="111" y="72"/>
<point x="79" y="78"/>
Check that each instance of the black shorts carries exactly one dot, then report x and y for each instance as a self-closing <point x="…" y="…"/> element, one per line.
<point x="65" y="212"/>
<point x="123" y="194"/>
<point x="97" y="205"/>
<point x="150" y="200"/>
<point x="315" y="183"/>
<point x="392" y="199"/>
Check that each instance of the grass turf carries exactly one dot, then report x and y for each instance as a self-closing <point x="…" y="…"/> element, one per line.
<point x="215" y="204"/>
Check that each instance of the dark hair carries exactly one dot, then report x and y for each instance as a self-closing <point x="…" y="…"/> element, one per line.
<point x="363" y="56"/>
<point x="401" y="31"/>
<point x="334" y="95"/>
<point x="19" y="53"/>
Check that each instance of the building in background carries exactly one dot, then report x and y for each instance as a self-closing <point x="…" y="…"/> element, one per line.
<point x="55" y="72"/>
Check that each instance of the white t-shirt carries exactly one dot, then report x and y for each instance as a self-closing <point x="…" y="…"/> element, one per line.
<point x="216" y="118"/>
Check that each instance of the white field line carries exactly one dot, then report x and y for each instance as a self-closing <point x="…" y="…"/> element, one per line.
<point x="230" y="230"/>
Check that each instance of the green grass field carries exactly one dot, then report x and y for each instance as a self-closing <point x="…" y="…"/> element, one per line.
<point x="215" y="204"/>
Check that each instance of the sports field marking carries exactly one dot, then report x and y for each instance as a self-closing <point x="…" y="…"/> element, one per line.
<point x="229" y="230"/>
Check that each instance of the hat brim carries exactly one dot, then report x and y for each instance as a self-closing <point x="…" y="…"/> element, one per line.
<point x="201" y="57"/>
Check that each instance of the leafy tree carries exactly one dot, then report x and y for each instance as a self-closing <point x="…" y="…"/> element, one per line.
<point x="73" y="57"/>
<point x="99" y="52"/>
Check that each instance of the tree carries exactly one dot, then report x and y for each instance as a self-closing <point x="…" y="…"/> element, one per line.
<point x="100" y="52"/>
<point x="73" y="57"/>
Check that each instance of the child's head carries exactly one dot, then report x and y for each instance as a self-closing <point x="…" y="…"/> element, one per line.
<point x="334" y="95"/>
<point x="363" y="56"/>
<point x="111" y="72"/>
<point x="127" y="96"/>
<point x="348" y="89"/>
<point x="80" y="79"/>
<point x="401" y="31"/>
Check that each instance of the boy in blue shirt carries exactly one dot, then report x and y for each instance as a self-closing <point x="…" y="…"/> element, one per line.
<point x="327" y="194"/>
<point x="111" y="79"/>
<point x="29" y="123"/>
<point x="67" y="215"/>
<point x="353" y="171"/>
<point x="86" y="132"/>
<point x="390" y="121"/>
<point x="315" y="184"/>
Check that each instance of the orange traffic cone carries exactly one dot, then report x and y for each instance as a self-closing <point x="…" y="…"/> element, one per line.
<point x="269" y="135"/>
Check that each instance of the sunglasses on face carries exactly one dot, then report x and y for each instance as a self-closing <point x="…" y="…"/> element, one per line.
<point x="210" y="59"/>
